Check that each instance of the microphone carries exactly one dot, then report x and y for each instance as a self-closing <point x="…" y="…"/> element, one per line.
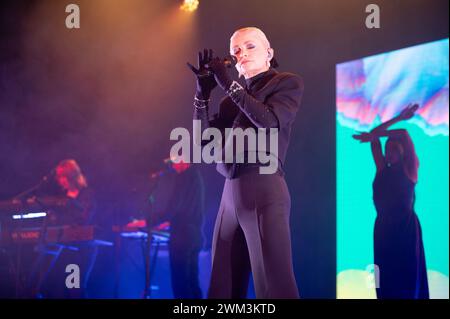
<point x="44" y="180"/>
<point x="49" y="176"/>
<point x="229" y="62"/>
<point x="157" y="174"/>
<point x="164" y="171"/>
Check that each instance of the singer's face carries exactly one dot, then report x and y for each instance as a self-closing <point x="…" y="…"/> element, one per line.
<point x="251" y="53"/>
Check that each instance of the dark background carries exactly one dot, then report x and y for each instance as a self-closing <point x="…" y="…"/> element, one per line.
<point x="109" y="94"/>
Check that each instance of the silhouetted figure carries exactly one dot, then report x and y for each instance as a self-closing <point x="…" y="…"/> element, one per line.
<point x="185" y="211"/>
<point x="398" y="247"/>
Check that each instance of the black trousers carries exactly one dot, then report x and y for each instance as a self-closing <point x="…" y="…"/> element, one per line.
<point x="252" y="233"/>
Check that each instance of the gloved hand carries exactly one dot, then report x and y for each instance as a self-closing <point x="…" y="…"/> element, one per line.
<point x="205" y="79"/>
<point x="217" y="66"/>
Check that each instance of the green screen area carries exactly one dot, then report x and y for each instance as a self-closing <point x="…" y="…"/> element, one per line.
<point x="356" y="213"/>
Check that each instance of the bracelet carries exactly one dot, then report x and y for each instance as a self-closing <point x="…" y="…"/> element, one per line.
<point x="200" y="104"/>
<point x="198" y="107"/>
<point x="234" y="89"/>
<point x="200" y="100"/>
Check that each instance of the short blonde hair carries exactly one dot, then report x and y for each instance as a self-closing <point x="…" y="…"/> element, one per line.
<point x="258" y="31"/>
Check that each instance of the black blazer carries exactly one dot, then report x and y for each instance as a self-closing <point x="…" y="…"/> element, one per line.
<point x="270" y="100"/>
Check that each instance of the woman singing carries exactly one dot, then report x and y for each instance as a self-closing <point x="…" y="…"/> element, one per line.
<point x="252" y="227"/>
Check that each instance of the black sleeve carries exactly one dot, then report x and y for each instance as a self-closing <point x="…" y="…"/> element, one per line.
<point x="221" y="120"/>
<point x="206" y="121"/>
<point x="280" y="106"/>
<point x="187" y="197"/>
<point x="84" y="207"/>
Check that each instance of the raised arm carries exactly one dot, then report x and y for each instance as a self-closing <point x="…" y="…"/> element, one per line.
<point x="377" y="154"/>
<point x="405" y="114"/>
<point x="375" y="145"/>
<point x="279" y="108"/>
<point x="410" y="158"/>
<point x="205" y="84"/>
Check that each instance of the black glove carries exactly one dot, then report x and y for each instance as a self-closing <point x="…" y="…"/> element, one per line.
<point x="205" y="79"/>
<point x="217" y="66"/>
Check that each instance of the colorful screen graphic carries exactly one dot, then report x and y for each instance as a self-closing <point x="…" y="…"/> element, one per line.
<point x="370" y="91"/>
